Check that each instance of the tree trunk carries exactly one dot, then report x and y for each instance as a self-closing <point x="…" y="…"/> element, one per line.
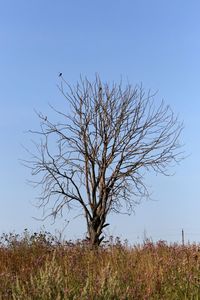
<point x="94" y="238"/>
<point x="95" y="230"/>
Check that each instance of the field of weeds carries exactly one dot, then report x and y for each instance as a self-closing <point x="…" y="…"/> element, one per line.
<point x="38" y="266"/>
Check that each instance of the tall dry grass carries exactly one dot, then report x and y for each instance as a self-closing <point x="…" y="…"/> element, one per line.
<point x="38" y="266"/>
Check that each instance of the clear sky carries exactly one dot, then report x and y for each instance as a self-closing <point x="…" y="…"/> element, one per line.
<point x="151" y="41"/>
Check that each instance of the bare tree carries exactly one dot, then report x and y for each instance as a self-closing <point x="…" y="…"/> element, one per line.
<point x="97" y="155"/>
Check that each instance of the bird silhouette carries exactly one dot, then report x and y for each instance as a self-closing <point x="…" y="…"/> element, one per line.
<point x="60" y="74"/>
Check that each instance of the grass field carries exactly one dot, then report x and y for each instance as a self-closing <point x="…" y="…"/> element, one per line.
<point x="38" y="266"/>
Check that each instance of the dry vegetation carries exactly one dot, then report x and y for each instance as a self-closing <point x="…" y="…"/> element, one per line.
<point x="38" y="266"/>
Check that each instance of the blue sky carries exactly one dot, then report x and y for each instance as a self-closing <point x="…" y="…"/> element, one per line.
<point x="154" y="42"/>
